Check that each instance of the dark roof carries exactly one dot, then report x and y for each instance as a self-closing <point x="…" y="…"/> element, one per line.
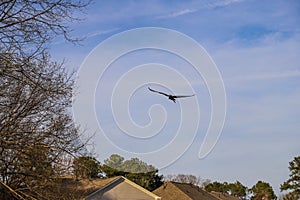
<point x="224" y="196"/>
<point x="182" y="191"/>
<point x="70" y="188"/>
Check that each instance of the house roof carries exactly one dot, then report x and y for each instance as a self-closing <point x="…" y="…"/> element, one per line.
<point x="122" y="188"/>
<point x="182" y="191"/>
<point x="70" y="188"/>
<point x="223" y="196"/>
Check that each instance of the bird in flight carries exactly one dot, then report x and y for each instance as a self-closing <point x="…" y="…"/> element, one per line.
<point x="171" y="97"/>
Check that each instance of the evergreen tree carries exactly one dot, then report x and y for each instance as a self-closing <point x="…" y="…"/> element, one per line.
<point x="134" y="169"/>
<point x="293" y="183"/>
<point x="263" y="191"/>
<point x="238" y="190"/>
<point x="217" y="187"/>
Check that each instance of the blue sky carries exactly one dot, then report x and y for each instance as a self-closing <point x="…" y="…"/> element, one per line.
<point x="255" y="46"/>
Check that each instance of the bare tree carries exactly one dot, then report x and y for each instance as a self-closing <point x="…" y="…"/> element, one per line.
<point x="26" y="25"/>
<point x="36" y="128"/>
<point x="204" y="182"/>
<point x="184" y="178"/>
<point x="37" y="133"/>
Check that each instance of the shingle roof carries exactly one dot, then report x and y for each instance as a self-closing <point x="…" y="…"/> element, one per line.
<point x="122" y="188"/>
<point x="70" y="188"/>
<point x="182" y="191"/>
<point x="223" y="196"/>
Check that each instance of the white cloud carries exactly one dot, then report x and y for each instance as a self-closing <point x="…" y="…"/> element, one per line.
<point x="264" y="76"/>
<point x="222" y="3"/>
<point x="209" y="5"/>
<point x="101" y="32"/>
<point x="178" y="13"/>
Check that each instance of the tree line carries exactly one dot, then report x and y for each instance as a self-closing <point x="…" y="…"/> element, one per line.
<point x="134" y="169"/>
<point x="147" y="176"/>
<point x="263" y="190"/>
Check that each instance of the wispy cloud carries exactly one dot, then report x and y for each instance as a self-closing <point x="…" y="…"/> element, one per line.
<point x="100" y="32"/>
<point x="178" y="13"/>
<point x="222" y="3"/>
<point x="285" y="74"/>
<point x="209" y="5"/>
<point x="87" y="36"/>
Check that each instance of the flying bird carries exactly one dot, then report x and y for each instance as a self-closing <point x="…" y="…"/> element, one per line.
<point x="171" y="97"/>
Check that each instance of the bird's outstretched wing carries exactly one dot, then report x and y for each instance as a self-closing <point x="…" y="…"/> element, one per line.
<point x="183" y="96"/>
<point x="158" y="92"/>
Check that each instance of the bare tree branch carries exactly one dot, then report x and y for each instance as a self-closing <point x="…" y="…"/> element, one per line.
<point x="38" y="137"/>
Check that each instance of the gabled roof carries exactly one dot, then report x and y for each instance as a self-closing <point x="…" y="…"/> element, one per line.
<point x="122" y="188"/>
<point x="182" y="191"/>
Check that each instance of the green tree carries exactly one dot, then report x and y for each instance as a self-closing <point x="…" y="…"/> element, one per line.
<point x="115" y="161"/>
<point x="86" y="167"/>
<point x="263" y="191"/>
<point x="148" y="180"/>
<point x="118" y="164"/>
<point x="135" y="165"/>
<point x="238" y="190"/>
<point x="217" y="187"/>
<point x="134" y="169"/>
<point x="235" y="189"/>
<point x="293" y="183"/>
<point x="111" y="172"/>
<point x="113" y="166"/>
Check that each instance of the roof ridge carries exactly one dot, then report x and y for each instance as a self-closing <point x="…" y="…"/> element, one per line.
<point x="140" y="188"/>
<point x="120" y="179"/>
<point x="105" y="186"/>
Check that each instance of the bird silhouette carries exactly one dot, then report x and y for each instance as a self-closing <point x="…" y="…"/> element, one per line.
<point x="171" y="97"/>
